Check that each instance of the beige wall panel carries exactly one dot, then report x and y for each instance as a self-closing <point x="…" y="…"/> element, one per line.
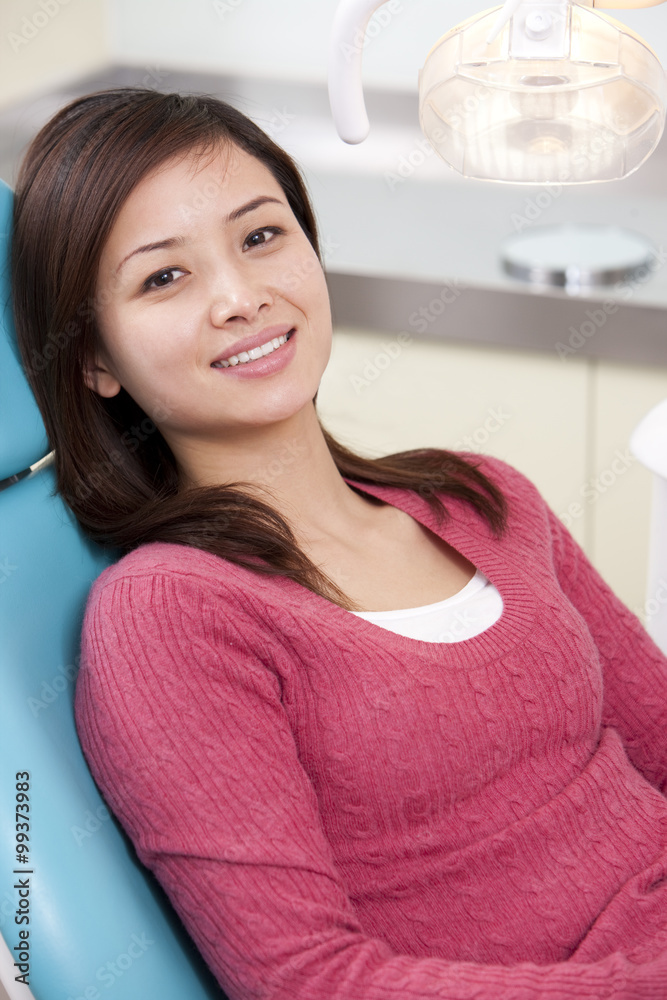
<point x="49" y="42"/>
<point x="380" y="396"/>
<point x="623" y="394"/>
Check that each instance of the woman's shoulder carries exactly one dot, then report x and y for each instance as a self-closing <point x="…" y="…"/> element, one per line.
<point x="150" y="559"/>
<point x="511" y="481"/>
<point x="183" y="567"/>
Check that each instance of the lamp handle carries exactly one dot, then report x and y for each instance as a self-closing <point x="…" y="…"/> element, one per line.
<point x="346" y="91"/>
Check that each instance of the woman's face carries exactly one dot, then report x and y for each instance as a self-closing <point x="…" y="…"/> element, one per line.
<point x="206" y="254"/>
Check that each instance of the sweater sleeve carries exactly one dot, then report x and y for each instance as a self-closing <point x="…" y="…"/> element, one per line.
<point x="634" y="668"/>
<point x="181" y="720"/>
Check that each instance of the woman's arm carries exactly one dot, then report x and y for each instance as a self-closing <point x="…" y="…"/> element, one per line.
<point x="634" y="668"/>
<point x="183" y="727"/>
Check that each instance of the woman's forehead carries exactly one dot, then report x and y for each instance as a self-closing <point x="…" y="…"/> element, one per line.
<point x="185" y="192"/>
<point x="225" y="165"/>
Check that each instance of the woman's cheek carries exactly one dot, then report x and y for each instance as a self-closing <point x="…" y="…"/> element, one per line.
<point x="299" y="272"/>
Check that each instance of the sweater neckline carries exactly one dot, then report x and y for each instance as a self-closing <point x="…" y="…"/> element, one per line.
<point x="471" y="538"/>
<point x="474" y="586"/>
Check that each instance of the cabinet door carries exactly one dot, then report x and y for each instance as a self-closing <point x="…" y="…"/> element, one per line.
<point x="387" y="393"/>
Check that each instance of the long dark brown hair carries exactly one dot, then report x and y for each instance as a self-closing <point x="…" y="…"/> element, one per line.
<point x="113" y="467"/>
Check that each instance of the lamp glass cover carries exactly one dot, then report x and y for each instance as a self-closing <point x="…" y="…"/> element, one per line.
<point x="595" y="111"/>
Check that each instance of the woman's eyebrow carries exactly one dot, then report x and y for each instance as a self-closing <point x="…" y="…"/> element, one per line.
<point x="179" y="241"/>
<point x="250" y="206"/>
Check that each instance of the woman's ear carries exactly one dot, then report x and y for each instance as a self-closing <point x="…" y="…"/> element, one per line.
<point x="99" y="378"/>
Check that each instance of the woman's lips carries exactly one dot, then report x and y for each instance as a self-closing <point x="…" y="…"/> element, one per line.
<point x="278" y="359"/>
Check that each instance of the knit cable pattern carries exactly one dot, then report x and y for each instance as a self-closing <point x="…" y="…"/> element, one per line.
<point x="339" y="812"/>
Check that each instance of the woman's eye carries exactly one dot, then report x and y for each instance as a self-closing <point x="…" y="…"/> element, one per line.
<point x="259" y="237"/>
<point x="161" y="279"/>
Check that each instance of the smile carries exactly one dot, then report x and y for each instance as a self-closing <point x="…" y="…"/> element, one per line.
<point x="245" y="357"/>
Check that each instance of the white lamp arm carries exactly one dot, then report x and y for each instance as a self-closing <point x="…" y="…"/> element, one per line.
<point x="346" y="92"/>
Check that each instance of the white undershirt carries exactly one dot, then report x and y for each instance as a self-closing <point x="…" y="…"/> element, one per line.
<point x="471" y="611"/>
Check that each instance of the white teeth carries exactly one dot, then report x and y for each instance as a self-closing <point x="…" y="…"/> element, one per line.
<point x="257" y="352"/>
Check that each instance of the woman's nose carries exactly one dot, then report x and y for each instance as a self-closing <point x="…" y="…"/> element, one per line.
<point x="238" y="296"/>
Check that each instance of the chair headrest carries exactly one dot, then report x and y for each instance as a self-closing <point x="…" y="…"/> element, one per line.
<point x="23" y="439"/>
<point x="649" y="440"/>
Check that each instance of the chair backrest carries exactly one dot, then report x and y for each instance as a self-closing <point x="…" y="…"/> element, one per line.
<point x="99" y="923"/>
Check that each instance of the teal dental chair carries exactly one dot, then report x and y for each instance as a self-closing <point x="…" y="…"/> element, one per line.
<point x="99" y="924"/>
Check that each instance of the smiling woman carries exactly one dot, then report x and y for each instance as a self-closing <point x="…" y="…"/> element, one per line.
<point x="192" y="332"/>
<point x="156" y="235"/>
<point x="456" y="794"/>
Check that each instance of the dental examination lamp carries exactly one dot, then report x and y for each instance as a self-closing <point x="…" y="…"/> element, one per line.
<point x="534" y="92"/>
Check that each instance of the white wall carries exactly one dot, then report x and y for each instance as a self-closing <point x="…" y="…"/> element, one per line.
<point x="47" y="43"/>
<point x="288" y="38"/>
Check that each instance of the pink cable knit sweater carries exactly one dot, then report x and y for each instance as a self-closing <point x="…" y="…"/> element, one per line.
<point x="339" y="812"/>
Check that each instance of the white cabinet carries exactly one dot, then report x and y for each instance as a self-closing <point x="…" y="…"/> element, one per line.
<point x="566" y="425"/>
<point x="621" y="396"/>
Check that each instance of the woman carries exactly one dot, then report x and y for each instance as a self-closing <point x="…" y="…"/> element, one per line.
<point x="463" y="798"/>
